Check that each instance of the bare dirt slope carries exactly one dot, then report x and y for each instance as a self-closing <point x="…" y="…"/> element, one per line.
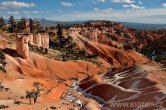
<point x="138" y="84"/>
<point x="112" y="55"/>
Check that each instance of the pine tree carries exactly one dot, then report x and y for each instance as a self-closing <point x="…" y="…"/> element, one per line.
<point x="34" y="93"/>
<point x="59" y="34"/>
<point x="37" y="90"/>
<point x="29" y="96"/>
<point x="21" y="25"/>
<point x="2" y="22"/>
<point x="12" y="24"/>
<point x="31" y="25"/>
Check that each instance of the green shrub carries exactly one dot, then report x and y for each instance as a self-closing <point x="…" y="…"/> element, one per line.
<point x="2" y="88"/>
<point x="3" y="106"/>
<point x="37" y="49"/>
<point x="34" y="93"/>
<point x="52" y="107"/>
<point x="2" y="61"/>
<point x="17" y="102"/>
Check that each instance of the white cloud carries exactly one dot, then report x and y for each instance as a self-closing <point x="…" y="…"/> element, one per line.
<point x="67" y="4"/>
<point x="22" y="12"/>
<point x="164" y="4"/>
<point x="96" y="9"/>
<point x="140" y="3"/>
<point x="15" y="4"/>
<point x="132" y="6"/>
<point x="123" y="1"/>
<point x="105" y="11"/>
<point x="101" y="1"/>
<point x="12" y="12"/>
<point x="140" y="16"/>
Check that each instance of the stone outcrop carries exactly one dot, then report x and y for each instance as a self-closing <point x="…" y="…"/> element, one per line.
<point x="22" y="47"/>
<point x="40" y="40"/>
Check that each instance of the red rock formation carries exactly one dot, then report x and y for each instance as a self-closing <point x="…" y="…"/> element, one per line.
<point x="22" y="46"/>
<point x="41" y="40"/>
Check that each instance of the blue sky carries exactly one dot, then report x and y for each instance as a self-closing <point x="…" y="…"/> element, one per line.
<point x="141" y="11"/>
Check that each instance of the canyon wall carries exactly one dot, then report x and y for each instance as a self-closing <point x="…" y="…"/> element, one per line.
<point x="40" y="40"/>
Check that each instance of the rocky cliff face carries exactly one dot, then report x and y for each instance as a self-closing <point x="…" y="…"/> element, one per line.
<point x="41" y="40"/>
<point x="22" y="47"/>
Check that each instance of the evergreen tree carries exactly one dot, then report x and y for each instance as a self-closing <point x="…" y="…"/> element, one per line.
<point x="31" y="25"/>
<point x="59" y="34"/>
<point x="2" y="22"/>
<point x="29" y="95"/>
<point x="34" y="93"/>
<point x="21" y="25"/>
<point x="37" y="91"/>
<point x="12" y="24"/>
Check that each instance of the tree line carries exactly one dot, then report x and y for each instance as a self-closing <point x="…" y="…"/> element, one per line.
<point x="21" y="25"/>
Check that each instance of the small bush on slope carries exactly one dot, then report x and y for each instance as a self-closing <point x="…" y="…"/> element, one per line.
<point x="2" y="61"/>
<point x="34" y="93"/>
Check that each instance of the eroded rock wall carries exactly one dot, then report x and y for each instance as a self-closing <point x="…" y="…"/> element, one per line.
<point x="22" y="47"/>
<point x="40" y="39"/>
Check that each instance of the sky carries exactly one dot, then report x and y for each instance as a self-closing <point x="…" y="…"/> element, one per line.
<point x="138" y="11"/>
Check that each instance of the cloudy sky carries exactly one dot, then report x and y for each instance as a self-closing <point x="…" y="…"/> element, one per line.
<point x="141" y="11"/>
